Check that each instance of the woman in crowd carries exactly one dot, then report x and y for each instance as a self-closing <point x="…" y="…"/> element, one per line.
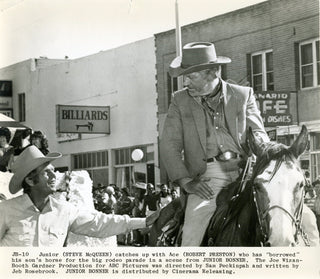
<point x="40" y="140"/>
<point x="6" y="150"/>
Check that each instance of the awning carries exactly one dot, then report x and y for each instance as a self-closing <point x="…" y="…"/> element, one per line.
<point x="6" y="121"/>
<point x="16" y="128"/>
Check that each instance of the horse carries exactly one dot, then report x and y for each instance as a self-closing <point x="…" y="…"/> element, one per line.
<point x="264" y="209"/>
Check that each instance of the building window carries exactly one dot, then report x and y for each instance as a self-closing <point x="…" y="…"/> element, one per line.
<point x="309" y="63"/>
<point x="90" y="160"/>
<point x="172" y="83"/>
<point x="22" y="107"/>
<point x="315" y="139"/>
<point x="125" y="177"/>
<point x="262" y="71"/>
<point x="315" y="155"/>
<point x="123" y="155"/>
<point x="315" y="165"/>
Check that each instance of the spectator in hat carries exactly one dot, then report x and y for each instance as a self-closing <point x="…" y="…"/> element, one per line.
<point x="207" y="120"/>
<point x="36" y="218"/>
<point x="6" y="150"/>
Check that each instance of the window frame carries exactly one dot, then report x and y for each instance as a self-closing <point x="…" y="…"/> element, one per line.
<point x="314" y="63"/>
<point x="22" y="106"/>
<point x="264" y="72"/>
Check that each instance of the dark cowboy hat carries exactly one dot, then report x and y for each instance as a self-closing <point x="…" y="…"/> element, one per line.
<point x="195" y="57"/>
<point x="27" y="161"/>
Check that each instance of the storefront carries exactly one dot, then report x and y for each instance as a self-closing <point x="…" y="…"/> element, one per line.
<point x="95" y="110"/>
<point x="118" y="166"/>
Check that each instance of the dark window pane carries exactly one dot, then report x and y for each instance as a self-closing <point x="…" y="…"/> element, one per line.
<point x="127" y="156"/>
<point x="103" y="159"/>
<point x="22" y="107"/>
<point x="89" y="156"/>
<point x="316" y="141"/>
<point x="94" y="159"/>
<point x="317" y="50"/>
<point x="257" y="64"/>
<point x="257" y="83"/>
<point x="99" y="159"/>
<point x="107" y="158"/>
<point x="270" y="81"/>
<point x="75" y="161"/>
<point x="122" y="156"/>
<point x="175" y="84"/>
<point x="307" y="76"/>
<point x="306" y="54"/>
<point x="80" y="161"/>
<point x="269" y="61"/>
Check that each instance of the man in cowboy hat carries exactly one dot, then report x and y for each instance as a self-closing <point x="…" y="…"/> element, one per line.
<point x="36" y="218"/>
<point x="207" y="120"/>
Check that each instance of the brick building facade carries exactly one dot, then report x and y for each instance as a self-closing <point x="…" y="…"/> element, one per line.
<point x="274" y="47"/>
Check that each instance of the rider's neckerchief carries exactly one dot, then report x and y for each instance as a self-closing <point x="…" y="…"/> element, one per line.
<point x="219" y="139"/>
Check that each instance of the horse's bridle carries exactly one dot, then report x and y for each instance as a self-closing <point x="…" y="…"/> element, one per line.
<point x="262" y="215"/>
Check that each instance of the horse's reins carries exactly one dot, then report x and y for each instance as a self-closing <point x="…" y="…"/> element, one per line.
<point x="296" y="220"/>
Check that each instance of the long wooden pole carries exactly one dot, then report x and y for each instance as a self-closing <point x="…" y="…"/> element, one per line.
<point x="178" y="41"/>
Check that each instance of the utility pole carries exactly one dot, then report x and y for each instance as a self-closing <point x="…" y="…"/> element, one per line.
<point x="178" y="42"/>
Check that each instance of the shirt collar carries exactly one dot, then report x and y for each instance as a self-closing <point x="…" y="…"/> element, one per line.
<point x="27" y="203"/>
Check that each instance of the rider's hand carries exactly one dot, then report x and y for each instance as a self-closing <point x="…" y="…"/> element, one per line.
<point x="200" y="188"/>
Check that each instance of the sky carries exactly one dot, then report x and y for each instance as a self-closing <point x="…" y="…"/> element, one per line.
<point x="77" y="28"/>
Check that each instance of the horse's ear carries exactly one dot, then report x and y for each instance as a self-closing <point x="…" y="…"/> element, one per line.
<point x="301" y="142"/>
<point x="252" y="142"/>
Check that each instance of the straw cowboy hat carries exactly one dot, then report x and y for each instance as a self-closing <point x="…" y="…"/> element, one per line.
<point x="195" y="57"/>
<point x="27" y="161"/>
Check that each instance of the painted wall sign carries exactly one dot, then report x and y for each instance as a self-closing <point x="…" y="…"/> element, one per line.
<point x="83" y="119"/>
<point x="5" y="102"/>
<point x="275" y="108"/>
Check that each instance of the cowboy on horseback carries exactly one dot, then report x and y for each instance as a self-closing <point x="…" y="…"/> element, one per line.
<point x="207" y="122"/>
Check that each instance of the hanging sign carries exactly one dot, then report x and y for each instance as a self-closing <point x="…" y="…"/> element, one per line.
<point x="83" y="119"/>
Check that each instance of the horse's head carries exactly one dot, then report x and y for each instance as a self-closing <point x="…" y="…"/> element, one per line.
<point x="278" y="187"/>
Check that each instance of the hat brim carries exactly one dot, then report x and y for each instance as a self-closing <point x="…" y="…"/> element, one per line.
<point x="176" y="70"/>
<point x="19" y="175"/>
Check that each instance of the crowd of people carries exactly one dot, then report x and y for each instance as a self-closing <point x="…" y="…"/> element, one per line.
<point x="108" y="200"/>
<point x="137" y="203"/>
